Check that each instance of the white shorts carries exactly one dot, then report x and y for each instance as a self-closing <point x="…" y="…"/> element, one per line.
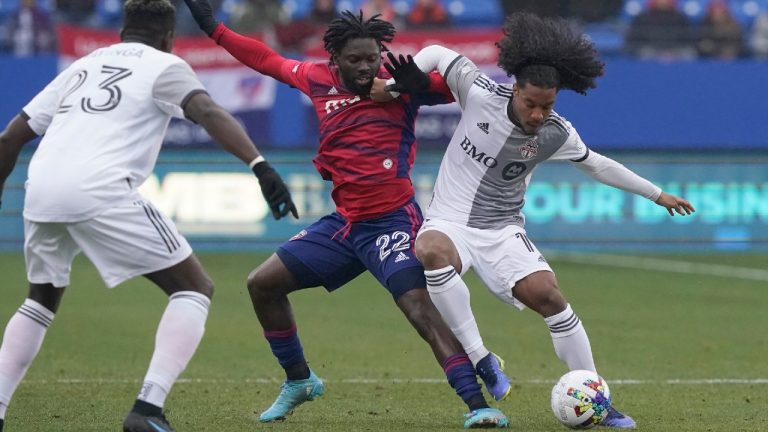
<point x="127" y="240"/>
<point x="500" y="257"/>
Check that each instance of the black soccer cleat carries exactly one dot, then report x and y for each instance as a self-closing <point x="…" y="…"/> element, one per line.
<point x="135" y="422"/>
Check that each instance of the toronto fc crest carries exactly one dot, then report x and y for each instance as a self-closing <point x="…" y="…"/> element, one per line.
<point x="530" y="149"/>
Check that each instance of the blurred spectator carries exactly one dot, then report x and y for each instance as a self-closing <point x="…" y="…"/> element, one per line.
<point x="256" y="16"/>
<point x="594" y="11"/>
<point x="294" y="36"/>
<point x="30" y="30"/>
<point x="720" y="35"/>
<point x="78" y="12"/>
<point x="661" y="30"/>
<point x="758" y="39"/>
<point x="383" y="7"/>
<point x="322" y="13"/>
<point x="427" y="14"/>
<point x="538" y="7"/>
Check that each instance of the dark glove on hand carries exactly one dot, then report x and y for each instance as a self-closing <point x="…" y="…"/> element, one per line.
<point x="203" y="14"/>
<point x="275" y="191"/>
<point x="408" y="77"/>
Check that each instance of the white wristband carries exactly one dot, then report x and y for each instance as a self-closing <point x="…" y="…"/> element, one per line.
<point x="394" y="94"/>
<point x="259" y="159"/>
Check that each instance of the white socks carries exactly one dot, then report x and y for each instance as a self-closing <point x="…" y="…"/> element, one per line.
<point x="22" y="340"/>
<point x="450" y="295"/>
<point x="570" y="340"/>
<point x="178" y="335"/>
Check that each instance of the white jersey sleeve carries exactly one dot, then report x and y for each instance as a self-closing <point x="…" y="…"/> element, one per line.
<point x="574" y="148"/>
<point x="608" y="171"/>
<point x="174" y="87"/>
<point x="445" y="61"/>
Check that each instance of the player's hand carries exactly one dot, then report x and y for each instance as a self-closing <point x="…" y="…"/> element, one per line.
<point x="203" y="14"/>
<point x="408" y="77"/>
<point x="275" y="191"/>
<point x="674" y="204"/>
<point x="378" y="91"/>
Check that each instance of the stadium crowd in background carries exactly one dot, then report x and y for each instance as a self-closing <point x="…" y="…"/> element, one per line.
<point x="666" y="29"/>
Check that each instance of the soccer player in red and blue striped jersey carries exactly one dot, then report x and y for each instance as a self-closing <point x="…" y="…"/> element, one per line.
<point x="366" y="150"/>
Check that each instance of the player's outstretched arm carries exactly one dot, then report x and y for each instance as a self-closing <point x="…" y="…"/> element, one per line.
<point x="12" y="139"/>
<point x="251" y="52"/>
<point x="612" y="173"/>
<point x="675" y="204"/>
<point x="228" y="133"/>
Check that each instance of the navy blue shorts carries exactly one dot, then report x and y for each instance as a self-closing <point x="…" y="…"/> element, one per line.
<point x="332" y="252"/>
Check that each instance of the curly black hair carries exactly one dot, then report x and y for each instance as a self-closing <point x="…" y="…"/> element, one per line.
<point x="148" y="18"/>
<point x="548" y="52"/>
<point x="351" y="26"/>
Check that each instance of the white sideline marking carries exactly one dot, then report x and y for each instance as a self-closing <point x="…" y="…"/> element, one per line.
<point x="378" y="381"/>
<point x="645" y="263"/>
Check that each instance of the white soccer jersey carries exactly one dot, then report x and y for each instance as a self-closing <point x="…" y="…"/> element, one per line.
<point x="104" y="119"/>
<point x="489" y="161"/>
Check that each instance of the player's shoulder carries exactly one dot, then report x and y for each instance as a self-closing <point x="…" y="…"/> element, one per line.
<point x="556" y="129"/>
<point x="558" y="122"/>
<point x="316" y="70"/>
<point x="488" y="92"/>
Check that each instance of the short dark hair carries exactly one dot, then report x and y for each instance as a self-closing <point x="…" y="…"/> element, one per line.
<point x="549" y="53"/>
<point x="351" y="26"/>
<point x="148" y="18"/>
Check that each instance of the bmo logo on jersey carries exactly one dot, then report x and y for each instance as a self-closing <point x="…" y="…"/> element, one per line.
<point x="472" y="152"/>
<point x="333" y="105"/>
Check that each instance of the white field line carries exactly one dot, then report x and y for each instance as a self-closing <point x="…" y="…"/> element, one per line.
<point x="656" y="264"/>
<point x="379" y="381"/>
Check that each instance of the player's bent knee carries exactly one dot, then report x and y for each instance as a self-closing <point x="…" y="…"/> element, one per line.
<point x="435" y="250"/>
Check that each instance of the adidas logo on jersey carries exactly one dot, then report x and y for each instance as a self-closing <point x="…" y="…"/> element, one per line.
<point x="483" y="127"/>
<point x="401" y="257"/>
<point x="333" y="91"/>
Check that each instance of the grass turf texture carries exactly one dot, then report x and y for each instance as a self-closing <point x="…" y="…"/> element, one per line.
<point x="653" y="327"/>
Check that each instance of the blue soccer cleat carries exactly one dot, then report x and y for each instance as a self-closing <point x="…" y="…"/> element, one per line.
<point x="617" y="420"/>
<point x="135" y="422"/>
<point x="491" y="371"/>
<point x="292" y="394"/>
<point x="485" y="418"/>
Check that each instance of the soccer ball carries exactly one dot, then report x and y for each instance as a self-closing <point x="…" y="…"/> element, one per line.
<point x="580" y="399"/>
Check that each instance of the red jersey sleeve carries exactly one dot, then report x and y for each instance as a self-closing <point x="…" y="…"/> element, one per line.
<point x="438" y="85"/>
<point x="260" y="57"/>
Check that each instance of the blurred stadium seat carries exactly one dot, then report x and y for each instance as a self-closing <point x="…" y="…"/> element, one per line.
<point x="474" y="13"/>
<point x="226" y="9"/>
<point x="745" y="11"/>
<point x="297" y="8"/>
<point x="109" y="13"/>
<point x="7" y="7"/>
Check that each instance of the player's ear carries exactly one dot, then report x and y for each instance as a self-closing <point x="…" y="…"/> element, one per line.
<point x="166" y="44"/>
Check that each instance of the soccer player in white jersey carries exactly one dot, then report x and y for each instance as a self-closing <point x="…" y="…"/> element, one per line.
<point x="103" y="120"/>
<point x="475" y="216"/>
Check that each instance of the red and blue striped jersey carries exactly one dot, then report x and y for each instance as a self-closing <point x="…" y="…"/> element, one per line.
<point x="366" y="148"/>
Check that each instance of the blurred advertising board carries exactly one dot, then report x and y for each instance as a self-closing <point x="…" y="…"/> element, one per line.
<point x="217" y="203"/>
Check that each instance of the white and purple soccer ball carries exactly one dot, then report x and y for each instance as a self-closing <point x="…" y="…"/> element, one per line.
<point x="580" y="399"/>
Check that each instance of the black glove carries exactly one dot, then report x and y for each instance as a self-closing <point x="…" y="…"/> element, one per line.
<point x="203" y="14"/>
<point x="408" y="77"/>
<point x="275" y="191"/>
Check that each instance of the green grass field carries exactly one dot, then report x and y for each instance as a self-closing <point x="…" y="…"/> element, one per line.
<point x="683" y="350"/>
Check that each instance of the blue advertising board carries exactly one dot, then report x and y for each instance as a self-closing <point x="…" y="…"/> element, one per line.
<point x="217" y="204"/>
